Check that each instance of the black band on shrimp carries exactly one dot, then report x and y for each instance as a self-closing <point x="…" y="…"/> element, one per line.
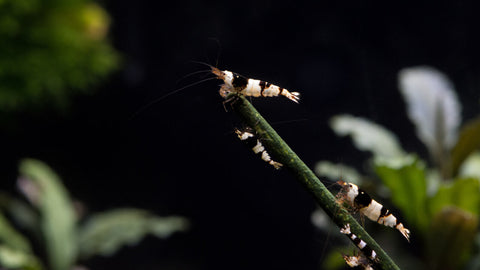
<point x="359" y="200"/>
<point x="364" y="248"/>
<point x="236" y="83"/>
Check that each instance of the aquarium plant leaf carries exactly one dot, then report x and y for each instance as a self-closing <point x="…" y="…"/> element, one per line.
<point x="51" y="50"/>
<point x="368" y="136"/>
<point x="470" y="166"/>
<point x="407" y="184"/>
<point x="433" y="107"/>
<point x="463" y="193"/>
<point x="12" y="238"/>
<point x="105" y="233"/>
<point x="58" y="222"/>
<point x="14" y="259"/>
<point x="468" y="142"/>
<point x="22" y="214"/>
<point x="450" y="237"/>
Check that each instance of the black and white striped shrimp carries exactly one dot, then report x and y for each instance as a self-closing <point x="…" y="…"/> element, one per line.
<point x="236" y="83"/>
<point x="232" y="83"/>
<point x="248" y="136"/>
<point x="361" y="201"/>
<point x="358" y="262"/>
<point x="364" y="248"/>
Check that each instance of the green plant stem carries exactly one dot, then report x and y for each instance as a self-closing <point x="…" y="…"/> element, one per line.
<point x="278" y="148"/>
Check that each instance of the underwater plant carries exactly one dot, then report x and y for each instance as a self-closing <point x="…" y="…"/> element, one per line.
<point x="438" y="196"/>
<point x="51" y="221"/>
<point x="51" y="50"/>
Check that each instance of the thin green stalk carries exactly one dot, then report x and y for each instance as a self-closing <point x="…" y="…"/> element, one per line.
<point x="278" y="148"/>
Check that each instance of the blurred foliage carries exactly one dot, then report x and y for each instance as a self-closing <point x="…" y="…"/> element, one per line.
<point x="105" y="233"/>
<point x="51" y="49"/>
<point x="58" y="223"/>
<point x="467" y="143"/>
<point x="410" y="187"/>
<point x="9" y="235"/>
<point x="439" y="203"/>
<point x="50" y="219"/>
<point x="11" y="258"/>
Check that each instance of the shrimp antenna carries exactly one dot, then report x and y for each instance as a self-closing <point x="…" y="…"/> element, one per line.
<point x="167" y="95"/>
<point x="202" y="63"/>
<point x="194" y="73"/>
<point x="219" y="52"/>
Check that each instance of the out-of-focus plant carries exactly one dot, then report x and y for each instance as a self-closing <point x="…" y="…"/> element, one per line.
<point x="51" y="49"/>
<point x="51" y="220"/>
<point x="439" y="203"/>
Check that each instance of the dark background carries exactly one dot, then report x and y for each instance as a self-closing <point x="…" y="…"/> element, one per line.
<point x="180" y="157"/>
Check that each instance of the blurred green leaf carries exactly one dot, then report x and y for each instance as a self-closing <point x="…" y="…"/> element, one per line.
<point x="468" y="141"/>
<point x="407" y="183"/>
<point x="16" y="259"/>
<point x="462" y="193"/>
<point x="22" y="214"/>
<point x="105" y="233"/>
<point x="50" y="50"/>
<point x="432" y="105"/>
<point x="470" y="166"/>
<point x="56" y="210"/>
<point x="12" y="238"/>
<point x="368" y="136"/>
<point x="450" y="238"/>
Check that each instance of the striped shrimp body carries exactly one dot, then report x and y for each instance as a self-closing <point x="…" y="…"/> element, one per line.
<point x="361" y="201"/>
<point x="364" y="248"/>
<point x="236" y="83"/>
<point x="358" y="262"/>
<point x="248" y="136"/>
